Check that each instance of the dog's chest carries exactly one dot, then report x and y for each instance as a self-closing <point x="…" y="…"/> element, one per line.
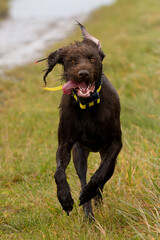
<point x="91" y="132"/>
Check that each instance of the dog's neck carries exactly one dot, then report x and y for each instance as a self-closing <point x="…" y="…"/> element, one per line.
<point x="93" y="100"/>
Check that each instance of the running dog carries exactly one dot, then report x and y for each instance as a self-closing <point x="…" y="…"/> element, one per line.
<point x="89" y="120"/>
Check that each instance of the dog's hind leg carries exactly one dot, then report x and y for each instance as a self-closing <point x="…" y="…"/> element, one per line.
<point x="80" y="155"/>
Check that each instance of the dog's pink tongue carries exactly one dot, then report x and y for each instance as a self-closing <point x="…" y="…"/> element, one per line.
<point x="67" y="88"/>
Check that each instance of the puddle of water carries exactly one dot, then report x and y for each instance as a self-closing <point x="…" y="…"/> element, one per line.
<point x="34" y="25"/>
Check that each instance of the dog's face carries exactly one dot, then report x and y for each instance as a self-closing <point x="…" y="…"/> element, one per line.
<point x="82" y="63"/>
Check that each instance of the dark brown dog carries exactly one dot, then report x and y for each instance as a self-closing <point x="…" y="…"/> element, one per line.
<point x="89" y="120"/>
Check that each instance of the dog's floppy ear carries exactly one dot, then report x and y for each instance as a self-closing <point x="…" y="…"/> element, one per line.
<point x="86" y="35"/>
<point x="53" y="59"/>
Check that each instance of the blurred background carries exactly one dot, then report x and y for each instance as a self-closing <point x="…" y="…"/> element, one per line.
<point x="27" y="27"/>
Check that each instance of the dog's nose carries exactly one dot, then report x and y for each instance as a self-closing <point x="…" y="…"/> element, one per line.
<point x="83" y="73"/>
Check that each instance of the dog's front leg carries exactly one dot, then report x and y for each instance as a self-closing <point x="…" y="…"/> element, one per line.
<point x="63" y="190"/>
<point x="104" y="172"/>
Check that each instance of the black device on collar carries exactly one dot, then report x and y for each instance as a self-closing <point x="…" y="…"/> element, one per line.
<point x="93" y="100"/>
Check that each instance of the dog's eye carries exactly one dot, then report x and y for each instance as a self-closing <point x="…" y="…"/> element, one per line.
<point x="73" y="61"/>
<point x="92" y="60"/>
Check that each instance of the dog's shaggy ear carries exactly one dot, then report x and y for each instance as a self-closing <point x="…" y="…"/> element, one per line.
<point x="53" y="59"/>
<point x="86" y="35"/>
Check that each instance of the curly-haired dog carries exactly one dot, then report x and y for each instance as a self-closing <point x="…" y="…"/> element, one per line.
<point x="89" y="120"/>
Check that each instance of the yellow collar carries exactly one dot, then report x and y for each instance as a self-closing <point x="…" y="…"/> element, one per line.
<point x="93" y="100"/>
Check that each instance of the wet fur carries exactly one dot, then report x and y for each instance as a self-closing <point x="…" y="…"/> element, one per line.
<point x="96" y="129"/>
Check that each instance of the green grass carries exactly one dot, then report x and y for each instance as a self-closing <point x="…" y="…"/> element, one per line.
<point x="3" y="8"/>
<point x="29" y="209"/>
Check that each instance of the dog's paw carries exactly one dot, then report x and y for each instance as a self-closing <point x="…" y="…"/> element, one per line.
<point x="98" y="199"/>
<point x="87" y="193"/>
<point x="66" y="200"/>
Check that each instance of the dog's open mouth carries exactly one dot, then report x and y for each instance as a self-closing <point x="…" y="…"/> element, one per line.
<point x="83" y="89"/>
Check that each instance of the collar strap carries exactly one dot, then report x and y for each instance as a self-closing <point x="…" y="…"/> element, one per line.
<point x="93" y="100"/>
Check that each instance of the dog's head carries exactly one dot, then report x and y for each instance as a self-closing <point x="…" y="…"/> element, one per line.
<point x="82" y="62"/>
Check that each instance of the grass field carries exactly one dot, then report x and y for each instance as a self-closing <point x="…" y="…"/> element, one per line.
<point x="130" y="37"/>
<point x="3" y="8"/>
